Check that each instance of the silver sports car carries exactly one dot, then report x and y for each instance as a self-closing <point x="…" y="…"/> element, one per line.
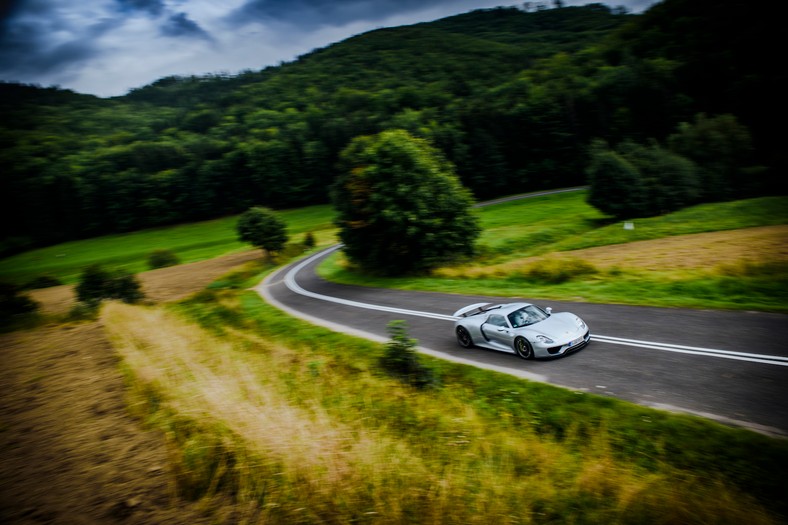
<point x="520" y="328"/>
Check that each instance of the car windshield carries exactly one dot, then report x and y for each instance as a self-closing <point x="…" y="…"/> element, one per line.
<point x="527" y="315"/>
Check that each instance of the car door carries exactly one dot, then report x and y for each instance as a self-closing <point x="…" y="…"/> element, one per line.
<point x="498" y="332"/>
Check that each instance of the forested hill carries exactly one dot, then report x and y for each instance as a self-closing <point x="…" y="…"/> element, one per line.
<point x="512" y="98"/>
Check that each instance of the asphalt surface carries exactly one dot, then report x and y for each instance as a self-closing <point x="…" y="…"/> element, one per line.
<point x="728" y="366"/>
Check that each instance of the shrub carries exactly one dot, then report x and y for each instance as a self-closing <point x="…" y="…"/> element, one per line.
<point x="97" y="284"/>
<point x="162" y="258"/>
<point x="309" y="240"/>
<point x="13" y="303"/>
<point x="636" y="180"/>
<point x="401" y="359"/>
<point x="43" y="281"/>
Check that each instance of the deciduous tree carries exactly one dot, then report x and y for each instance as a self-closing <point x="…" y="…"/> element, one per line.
<point x="261" y="228"/>
<point x="400" y="207"/>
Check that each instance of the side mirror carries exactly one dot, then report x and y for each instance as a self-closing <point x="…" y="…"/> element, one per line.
<point x="549" y="310"/>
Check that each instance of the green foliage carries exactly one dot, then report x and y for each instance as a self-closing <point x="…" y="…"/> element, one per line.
<point x="13" y="303"/>
<point x="162" y="258"/>
<point x="263" y="229"/>
<point x="309" y="240"/>
<point x="640" y="181"/>
<point x="43" y="281"/>
<point x="400" y="208"/>
<point x="615" y="185"/>
<point x="97" y="284"/>
<point x="721" y="147"/>
<point x="401" y="359"/>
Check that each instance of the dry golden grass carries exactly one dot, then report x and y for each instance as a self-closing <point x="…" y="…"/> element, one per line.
<point x="302" y="459"/>
<point x="702" y="251"/>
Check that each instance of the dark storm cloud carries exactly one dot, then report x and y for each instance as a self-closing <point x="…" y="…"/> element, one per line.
<point x="152" y="7"/>
<point x="179" y="25"/>
<point x="316" y="13"/>
<point x="34" y="40"/>
<point x="37" y="41"/>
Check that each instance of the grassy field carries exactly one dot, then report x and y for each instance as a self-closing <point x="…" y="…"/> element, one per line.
<point x="520" y="238"/>
<point x="515" y="254"/>
<point x="304" y="424"/>
<point x="298" y="424"/>
<point x="190" y="242"/>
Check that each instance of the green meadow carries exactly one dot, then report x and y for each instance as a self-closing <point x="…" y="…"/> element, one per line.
<point x="190" y="242"/>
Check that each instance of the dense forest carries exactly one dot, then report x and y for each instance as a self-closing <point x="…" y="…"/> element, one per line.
<point x="513" y="98"/>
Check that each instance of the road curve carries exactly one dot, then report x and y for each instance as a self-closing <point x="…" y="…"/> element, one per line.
<point x="728" y="366"/>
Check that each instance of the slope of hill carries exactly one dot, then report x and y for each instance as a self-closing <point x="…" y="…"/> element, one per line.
<point x="511" y="98"/>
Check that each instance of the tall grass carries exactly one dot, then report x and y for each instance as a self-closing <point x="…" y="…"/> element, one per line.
<point x="301" y="423"/>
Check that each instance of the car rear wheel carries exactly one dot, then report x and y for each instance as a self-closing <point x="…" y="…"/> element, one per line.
<point x="464" y="338"/>
<point x="523" y="348"/>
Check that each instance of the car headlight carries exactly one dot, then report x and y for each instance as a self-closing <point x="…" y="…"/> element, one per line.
<point x="580" y="323"/>
<point x="544" y="339"/>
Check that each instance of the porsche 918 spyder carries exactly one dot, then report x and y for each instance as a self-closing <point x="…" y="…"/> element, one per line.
<point x="520" y="328"/>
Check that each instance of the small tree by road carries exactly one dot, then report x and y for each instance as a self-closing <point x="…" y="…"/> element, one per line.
<point x="261" y="228"/>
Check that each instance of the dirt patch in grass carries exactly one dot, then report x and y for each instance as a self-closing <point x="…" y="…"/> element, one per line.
<point x="70" y="451"/>
<point x="165" y="284"/>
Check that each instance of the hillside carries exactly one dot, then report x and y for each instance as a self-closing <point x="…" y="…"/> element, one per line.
<point x="512" y="98"/>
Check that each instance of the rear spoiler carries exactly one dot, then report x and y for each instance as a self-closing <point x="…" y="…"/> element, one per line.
<point x="471" y="309"/>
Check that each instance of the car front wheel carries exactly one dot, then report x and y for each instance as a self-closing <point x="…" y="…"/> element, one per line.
<point x="464" y="338"/>
<point x="523" y="348"/>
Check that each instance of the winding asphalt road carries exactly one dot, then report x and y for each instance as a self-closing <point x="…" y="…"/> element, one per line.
<point x="728" y="366"/>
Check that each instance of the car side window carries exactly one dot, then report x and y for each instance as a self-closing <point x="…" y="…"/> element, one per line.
<point x="497" y="320"/>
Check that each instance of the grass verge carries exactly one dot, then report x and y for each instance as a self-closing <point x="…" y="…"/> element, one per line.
<point x="302" y="423"/>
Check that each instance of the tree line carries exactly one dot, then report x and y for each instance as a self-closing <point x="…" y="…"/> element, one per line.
<point x="516" y="101"/>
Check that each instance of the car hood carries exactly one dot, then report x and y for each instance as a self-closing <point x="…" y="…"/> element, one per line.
<point x="557" y="326"/>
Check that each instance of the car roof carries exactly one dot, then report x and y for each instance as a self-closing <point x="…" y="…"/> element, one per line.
<point x="509" y="307"/>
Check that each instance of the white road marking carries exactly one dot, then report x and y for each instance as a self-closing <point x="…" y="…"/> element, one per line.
<point x="290" y="282"/>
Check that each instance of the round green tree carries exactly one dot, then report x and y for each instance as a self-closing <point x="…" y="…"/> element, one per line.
<point x="616" y="186"/>
<point x="261" y="228"/>
<point x="400" y="206"/>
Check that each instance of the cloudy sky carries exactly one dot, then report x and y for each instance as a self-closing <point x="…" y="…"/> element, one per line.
<point x="106" y="47"/>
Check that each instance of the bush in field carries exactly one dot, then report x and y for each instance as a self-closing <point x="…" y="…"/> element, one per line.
<point x="43" y="281"/>
<point x="14" y="303"/>
<point x="162" y="258"/>
<point x="401" y="359"/>
<point x="261" y="228"/>
<point x="97" y="284"/>
<point x="309" y="240"/>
